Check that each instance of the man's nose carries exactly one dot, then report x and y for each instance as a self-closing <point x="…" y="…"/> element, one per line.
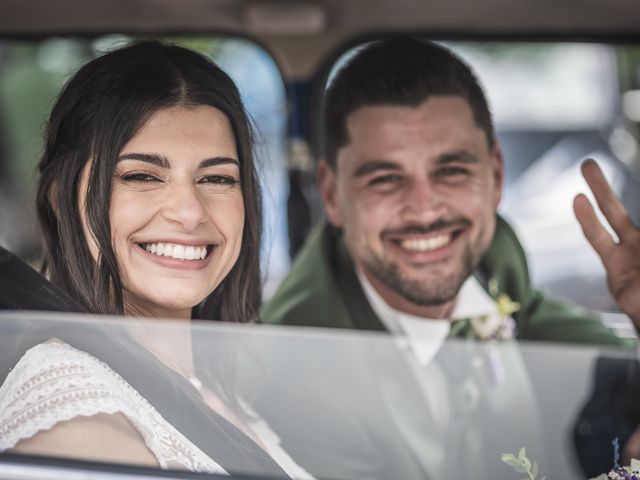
<point x="184" y="205"/>
<point x="422" y="202"/>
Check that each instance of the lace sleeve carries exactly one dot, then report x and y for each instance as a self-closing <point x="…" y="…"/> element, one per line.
<point x="55" y="382"/>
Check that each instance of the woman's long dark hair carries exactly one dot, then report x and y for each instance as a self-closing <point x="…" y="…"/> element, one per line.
<point x="99" y="110"/>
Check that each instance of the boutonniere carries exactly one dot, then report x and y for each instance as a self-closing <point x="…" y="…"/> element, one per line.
<point x="523" y="465"/>
<point x="632" y="472"/>
<point x="499" y="325"/>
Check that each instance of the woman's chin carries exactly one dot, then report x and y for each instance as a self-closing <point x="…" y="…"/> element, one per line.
<point x="169" y="305"/>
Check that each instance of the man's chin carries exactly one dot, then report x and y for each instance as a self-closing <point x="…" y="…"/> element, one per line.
<point x="432" y="290"/>
<point x="429" y="298"/>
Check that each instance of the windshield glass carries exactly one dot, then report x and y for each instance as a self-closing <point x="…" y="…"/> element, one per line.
<point x="275" y="402"/>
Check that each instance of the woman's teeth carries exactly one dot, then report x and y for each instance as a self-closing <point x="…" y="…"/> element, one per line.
<point x="425" y="244"/>
<point x="179" y="252"/>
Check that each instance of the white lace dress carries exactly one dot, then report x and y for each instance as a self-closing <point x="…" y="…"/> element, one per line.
<point x="54" y="382"/>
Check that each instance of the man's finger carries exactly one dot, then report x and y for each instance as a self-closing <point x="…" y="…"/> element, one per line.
<point x="608" y="202"/>
<point x="629" y="300"/>
<point x="596" y="234"/>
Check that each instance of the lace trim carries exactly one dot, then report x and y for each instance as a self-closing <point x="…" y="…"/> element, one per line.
<point x="55" y="382"/>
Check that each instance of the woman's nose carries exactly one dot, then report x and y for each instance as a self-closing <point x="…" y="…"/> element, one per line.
<point x="184" y="205"/>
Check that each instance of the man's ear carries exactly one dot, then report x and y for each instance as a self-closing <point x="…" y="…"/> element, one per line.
<point x="327" y="185"/>
<point x="498" y="172"/>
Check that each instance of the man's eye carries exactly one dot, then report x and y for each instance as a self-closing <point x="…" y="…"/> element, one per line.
<point x="219" y="180"/>
<point x="385" y="179"/>
<point x="139" y="178"/>
<point x="451" y="171"/>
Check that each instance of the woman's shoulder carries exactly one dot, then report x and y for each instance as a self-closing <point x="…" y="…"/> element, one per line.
<point x="52" y="366"/>
<point x="56" y="391"/>
<point x="54" y="382"/>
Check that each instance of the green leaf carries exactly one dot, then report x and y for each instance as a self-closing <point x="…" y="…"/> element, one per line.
<point x="526" y="463"/>
<point x="522" y="454"/>
<point x="521" y="469"/>
<point x="534" y="470"/>
<point x="513" y="461"/>
<point x="506" y="456"/>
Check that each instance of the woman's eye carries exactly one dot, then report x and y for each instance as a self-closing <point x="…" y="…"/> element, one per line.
<point x="219" y="180"/>
<point x="139" y="177"/>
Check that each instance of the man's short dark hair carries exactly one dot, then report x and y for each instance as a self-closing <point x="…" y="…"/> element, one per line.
<point x="402" y="71"/>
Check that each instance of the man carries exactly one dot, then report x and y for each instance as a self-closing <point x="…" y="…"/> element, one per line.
<point x="411" y="180"/>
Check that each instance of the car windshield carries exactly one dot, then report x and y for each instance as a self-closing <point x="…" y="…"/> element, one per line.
<point x="417" y="409"/>
<point x="257" y="401"/>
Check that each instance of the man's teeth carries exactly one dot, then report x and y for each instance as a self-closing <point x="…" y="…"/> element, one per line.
<point x="179" y="252"/>
<point x="425" y="244"/>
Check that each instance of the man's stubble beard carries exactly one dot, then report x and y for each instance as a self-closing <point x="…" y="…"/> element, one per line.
<point x="440" y="290"/>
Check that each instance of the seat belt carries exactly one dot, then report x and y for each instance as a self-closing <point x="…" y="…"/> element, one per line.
<point x="23" y="288"/>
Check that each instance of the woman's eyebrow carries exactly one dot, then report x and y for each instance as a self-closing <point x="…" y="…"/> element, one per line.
<point x="212" y="162"/>
<point x="163" y="162"/>
<point x="152" y="158"/>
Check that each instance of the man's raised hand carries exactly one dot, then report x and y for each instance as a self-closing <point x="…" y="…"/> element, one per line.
<point x="621" y="259"/>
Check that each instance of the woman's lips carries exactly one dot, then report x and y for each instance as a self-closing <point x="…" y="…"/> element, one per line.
<point x="177" y="255"/>
<point x="176" y="250"/>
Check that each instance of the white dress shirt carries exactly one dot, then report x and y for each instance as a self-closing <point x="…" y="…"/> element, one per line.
<point x="426" y="335"/>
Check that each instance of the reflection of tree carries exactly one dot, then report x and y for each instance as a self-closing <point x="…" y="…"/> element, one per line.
<point x="522" y="52"/>
<point x="4" y="154"/>
<point x="31" y="75"/>
<point x="628" y="61"/>
<point x="205" y="45"/>
<point x="30" y="78"/>
<point x="628" y="65"/>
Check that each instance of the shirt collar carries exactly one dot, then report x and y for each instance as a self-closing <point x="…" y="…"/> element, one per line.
<point x="426" y="335"/>
<point x="473" y="301"/>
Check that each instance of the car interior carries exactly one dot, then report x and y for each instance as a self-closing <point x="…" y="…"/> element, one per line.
<point x="562" y="79"/>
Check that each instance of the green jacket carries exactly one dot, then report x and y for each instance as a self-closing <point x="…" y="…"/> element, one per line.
<point x="322" y="290"/>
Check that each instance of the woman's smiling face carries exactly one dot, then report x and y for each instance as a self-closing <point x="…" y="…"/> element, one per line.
<point x="177" y="212"/>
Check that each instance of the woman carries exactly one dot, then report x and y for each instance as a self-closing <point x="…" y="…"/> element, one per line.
<point x="149" y="207"/>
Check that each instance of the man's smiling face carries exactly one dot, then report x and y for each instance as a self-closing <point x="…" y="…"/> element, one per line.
<point x="415" y="191"/>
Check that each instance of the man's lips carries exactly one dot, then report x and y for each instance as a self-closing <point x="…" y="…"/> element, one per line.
<point x="425" y="244"/>
<point x="421" y="238"/>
